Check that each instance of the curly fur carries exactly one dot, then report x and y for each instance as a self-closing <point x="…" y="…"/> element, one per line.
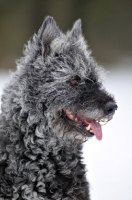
<point x="40" y="151"/>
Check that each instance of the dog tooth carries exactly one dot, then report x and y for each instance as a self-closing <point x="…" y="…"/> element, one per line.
<point x="91" y="131"/>
<point x="87" y="127"/>
<point x="68" y="112"/>
<point x="70" y="116"/>
<point x="76" y="120"/>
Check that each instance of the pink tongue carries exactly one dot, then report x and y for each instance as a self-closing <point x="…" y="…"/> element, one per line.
<point x="96" y="128"/>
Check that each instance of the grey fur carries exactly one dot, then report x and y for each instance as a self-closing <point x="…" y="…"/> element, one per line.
<point x="40" y="151"/>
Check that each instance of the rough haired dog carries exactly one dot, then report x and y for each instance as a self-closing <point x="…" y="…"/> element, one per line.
<point x="53" y="103"/>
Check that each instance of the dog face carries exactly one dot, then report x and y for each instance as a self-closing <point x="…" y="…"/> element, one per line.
<point x="67" y="82"/>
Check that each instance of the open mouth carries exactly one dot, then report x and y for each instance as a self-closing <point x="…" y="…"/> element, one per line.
<point x="86" y="126"/>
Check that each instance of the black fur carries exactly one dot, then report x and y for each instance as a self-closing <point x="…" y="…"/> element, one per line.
<point x="40" y="145"/>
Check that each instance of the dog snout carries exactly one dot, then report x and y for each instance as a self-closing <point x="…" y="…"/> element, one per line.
<point x="110" y="108"/>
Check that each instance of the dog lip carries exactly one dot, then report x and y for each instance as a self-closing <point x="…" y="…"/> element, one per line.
<point x="89" y="127"/>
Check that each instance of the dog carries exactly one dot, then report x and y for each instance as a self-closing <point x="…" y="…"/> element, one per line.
<point x="54" y="102"/>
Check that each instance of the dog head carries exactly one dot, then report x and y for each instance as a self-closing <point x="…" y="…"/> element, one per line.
<point x="61" y="84"/>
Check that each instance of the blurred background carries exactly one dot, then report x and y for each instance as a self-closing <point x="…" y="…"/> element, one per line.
<point x="107" y="26"/>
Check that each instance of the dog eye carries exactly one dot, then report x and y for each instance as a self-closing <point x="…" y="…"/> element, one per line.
<point x="75" y="81"/>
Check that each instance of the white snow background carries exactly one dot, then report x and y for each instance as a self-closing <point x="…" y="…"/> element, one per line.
<point x="109" y="161"/>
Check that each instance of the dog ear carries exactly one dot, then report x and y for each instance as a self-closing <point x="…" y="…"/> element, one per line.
<point x="76" y="30"/>
<point x="50" y="32"/>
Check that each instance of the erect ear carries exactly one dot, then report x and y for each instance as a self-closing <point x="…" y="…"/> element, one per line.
<point x="76" y="30"/>
<point x="50" y="32"/>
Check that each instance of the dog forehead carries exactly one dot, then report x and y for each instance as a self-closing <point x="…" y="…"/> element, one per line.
<point x="72" y="67"/>
<point x="78" y="57"/>
<point x="64" y="43"/>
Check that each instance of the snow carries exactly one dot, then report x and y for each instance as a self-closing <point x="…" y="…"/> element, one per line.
<point x="109" y="161"/>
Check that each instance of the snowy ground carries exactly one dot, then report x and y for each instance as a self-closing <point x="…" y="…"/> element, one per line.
<point x="109" y="161"/>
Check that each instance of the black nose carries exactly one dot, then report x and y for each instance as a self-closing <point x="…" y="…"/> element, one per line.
<point x="110" y="108"/>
